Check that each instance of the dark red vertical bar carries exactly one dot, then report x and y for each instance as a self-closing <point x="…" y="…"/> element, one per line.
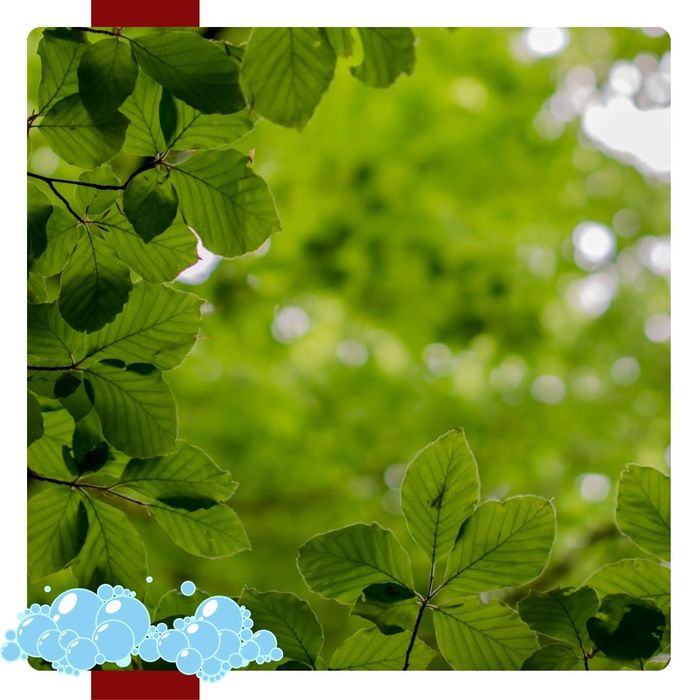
<point x="145" y="13"/>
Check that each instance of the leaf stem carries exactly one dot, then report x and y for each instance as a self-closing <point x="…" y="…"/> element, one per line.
<point x="114" y="32"/>
<point x="423" y="605"/>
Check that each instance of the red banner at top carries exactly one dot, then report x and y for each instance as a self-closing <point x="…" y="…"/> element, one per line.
<point x="145" y="13"/>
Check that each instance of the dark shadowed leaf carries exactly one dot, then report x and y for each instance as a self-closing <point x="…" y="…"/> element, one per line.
<point x="391" y="607"/>
<point x="39" y="209"/>
<point x="370" y="650"/>
<point x="92" y="201"/>
<point x="150" y="203"/>
<point x="387" y="52"/>
<point x="554" y="657"/>
<point x="35" y="421"/>
<point x="60" y="51"/>
<point x="46" y="456"/>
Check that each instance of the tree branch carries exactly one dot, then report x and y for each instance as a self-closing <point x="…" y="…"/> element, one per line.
<point x="64" y="200"/>
<point x="95" y="185"/>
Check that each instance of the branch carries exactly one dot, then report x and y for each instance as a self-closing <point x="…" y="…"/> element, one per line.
<point x="419" y="617"/>
<point x="64" y="200"/>
<point x="114" y="32"/>
<point x="95" y="185"/>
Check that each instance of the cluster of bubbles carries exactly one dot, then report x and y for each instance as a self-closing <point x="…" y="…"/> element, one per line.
<point x="82" y="629"/>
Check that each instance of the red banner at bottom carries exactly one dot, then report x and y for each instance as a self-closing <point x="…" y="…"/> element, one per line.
<point x="145" y="13"/>
<point x="144" y="685"/>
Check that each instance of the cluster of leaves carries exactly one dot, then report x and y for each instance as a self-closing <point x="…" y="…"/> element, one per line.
<point x="104" y="323"/>
<point x="476" y="548"/>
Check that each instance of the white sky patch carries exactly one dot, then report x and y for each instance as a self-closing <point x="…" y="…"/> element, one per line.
<point x="593" y="487"/>
<point x="541" y="42"/>
<point x="658" y="328"/>
<point x="202" y="269"/>
<point x="291" y="323"/>
<point x="594" y="243"/>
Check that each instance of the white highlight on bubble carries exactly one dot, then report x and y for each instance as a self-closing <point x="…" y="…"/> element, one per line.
<point x="549" y="389"/>
<point x="67" y="603"/>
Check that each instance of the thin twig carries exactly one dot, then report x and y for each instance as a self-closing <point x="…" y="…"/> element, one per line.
<point x="64" y="200"/>
<point x="95" y="185"/>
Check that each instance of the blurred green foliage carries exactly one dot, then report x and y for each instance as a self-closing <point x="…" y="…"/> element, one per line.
<point x="426" y="266"/>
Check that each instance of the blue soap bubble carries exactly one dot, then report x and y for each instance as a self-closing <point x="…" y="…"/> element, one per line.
<point x="10" y="651"/>
<point x="229" y="643"/>
<point x="10" y="635"/>
<point x="114" y="640"/>
<point x="35" y="608"/>
<point x="130" y="611"/>
<point x="171" y="644"/>
<point x="221" y="611"/>
<point x="29" y="631"/>
<point x="81" y="654"/>
<point x="76" y="610"/>
<point x="246" y="635"/>
<point x="161" y="627"/>
<point x="99" y="659"/>
<point x="225" y="666"/>
<point x="187" y="588"/>
<point x="236" y="661"/>
<point x="119" y="590"/>
<point x="266" y="641"/>
<point x="276" y="654"/>
<point x="105" y="591"/>
<point x="188" y="661"/>
<point x="123" y="663"/>
<point x="45" y="610"/>
<point x="212" y="666"/>
<point x="179" y="623"/>
<point x="250" y="650"/>
<point x="248" y="623"/>
<point x="65" y="638"/>
<point x="148" y="650"/>
<point x="203" y="637"/>
<point x="49" y="646"/>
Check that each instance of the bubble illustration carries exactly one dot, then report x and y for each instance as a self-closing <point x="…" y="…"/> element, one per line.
<point x="82" y="629"/>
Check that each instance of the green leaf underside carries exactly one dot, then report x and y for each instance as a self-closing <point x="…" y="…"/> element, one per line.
<point x="341" y="563"/>
<point x="56" y="529"/>
<point x="635" y="577"/>
<point x="106" y="76"/>
<point x="158" y="325"/>
<point x="35" y="421"/>
<point x="561" y="614"/>
<point x="150" y="204"/>
<point x="92" y="201"/>
<point x="206" y="532"/>
<point x="503" y="543"/>
<point x="627" y="628"/>
<point x="489" y="637"/>
<point x="290" y="619"/>
<point x="387" y="53"/>
<point x="186" y="128"/>
<point x="161" y="259"/>
<point x="285" y="72"/>
<point x="137" y="409"/>
<point x="62" y="233"/>
<point x="392" y="608"/>
<point x="439" y="491"/>
<point x="143" y="135"/>
<point x="95" y="284"/>
<point x="189" y="472"/>
<point x="229" y="206"/>
<point x="51" y="341"/>
<point x="60" y="51"/>
<point x="45" y="456"/>
<point x="643" y="510"/>
<point x="193" y="69"/>
<point x="113" y="551"/>
<point x="78" y="138"/>
<point x="553" y="657"/>
<point x="39" y="209"/>
<point x="370" y="650"/>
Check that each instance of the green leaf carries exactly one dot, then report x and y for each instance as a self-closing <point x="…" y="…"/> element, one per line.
<point x="635" y="577"/>
<point x="370" y="650"/>
<point x="95" y="284"/>
<point x="106" y="76"/>
<point x="78" y="138"/>
<point x="51" y="342"/>
<point x="158" y="325"/>
<point x="161" y="259"/>
<point x="290" y="619"/>
<point x="439" y="490"/>
<point x="561" y="614"/>
<point x="174" y="604"/>
<point x="90" y="450"/>
<point x="627" y="628"/>
<point x="387" y="53"/>
<point x="473" y="636"/>
<point x="285" y="72"/>
<point x="150" y="203"/>
<point x="643" y="510"/>
<point x="504" y="543"/>
<point x="35" y="421"/>
<point x="39" y="209"/>
<point x="113" y="551"/>
<point x="62" y="233"/>
<point x="341" y="563"/>
<point x="136" y="408"/>
<point x="56" y="529"/>
<point x="93" y="201"/>
<point x="46" y="455"/>
<point x="340" y="38"/>
<point x="60" y="51"/>
<point x="228" y="205"/>
<point x="189" y="472"/>
<point x="206" y="532"/>
<point x="143" y="135"/>
<point x="391" y="607"/>
<point x="553" y="657"/>
<point x="189" y="129"/>
<point x="41" y="290"/>
<point x="195" y="70"/>
<point x="75" y="397"/>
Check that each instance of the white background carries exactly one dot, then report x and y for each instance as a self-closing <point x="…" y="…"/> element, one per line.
<point x="18" y="680"/>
